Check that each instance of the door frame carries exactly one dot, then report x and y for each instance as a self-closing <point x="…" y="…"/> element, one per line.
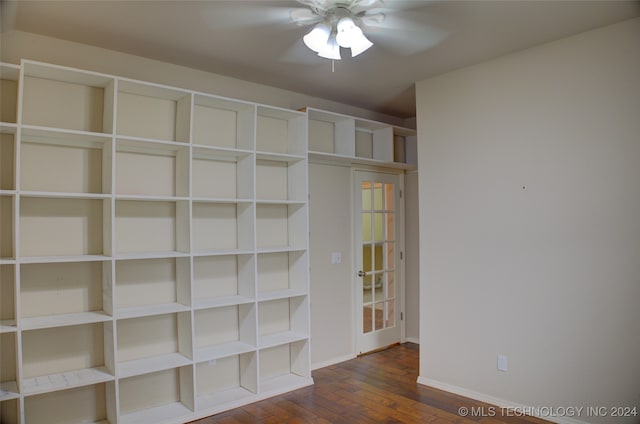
<point x="400" y="242"/>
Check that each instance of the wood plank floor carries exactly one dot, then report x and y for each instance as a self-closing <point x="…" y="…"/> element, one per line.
<point x="376" y="388"/>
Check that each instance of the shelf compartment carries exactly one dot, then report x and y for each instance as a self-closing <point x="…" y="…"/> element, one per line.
<point x="88" y="404"/>
<point x="281" y="226"/>
<point x="279" y="180"/>
<point x="226" y="382"/>
<point x="283" y="321"/>
<point x="222" y="226"/>
<point x="8" y="298"/>
<point x="151" y="169"/>
<point x="282" y="275"/>
<point x="7" y="161"/>
<point x="79" y="289"/>
<point x="405" y="147"/>
<point x="223" y="123"/>
<point x="152" y="286"/>
<point x="153" y="343"/>
<point x="157" y="397"/>
<point x="10" y="411"/>
<point x="63" y="226"/>
<point x="65" y="357"/>
<point x="284" y="367"/>
<point x="9" y="76"/>
<point x="224" y="331"/>
<point x="150" y="111"/>
<point x="59" y="97"/>
<point x="281" y="131"/>
<point x="7" y="228"/>
<point x="76" y="163"/>
<point x="151" y="226"/>
<point x="223" y="280"/>
<point x="331" y="133"/>
<point x="222" y="174"/>
<point x="8" y="366"/>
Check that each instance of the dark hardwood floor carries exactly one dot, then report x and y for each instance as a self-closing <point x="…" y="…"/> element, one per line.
<point x="376" y="388"/>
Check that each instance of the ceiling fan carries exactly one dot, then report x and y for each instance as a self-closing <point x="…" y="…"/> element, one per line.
<point x="400" y="27"/>
<point x="337" y="24"/>
<point x="342" y="24"/>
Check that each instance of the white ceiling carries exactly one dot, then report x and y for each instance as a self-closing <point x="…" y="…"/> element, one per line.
<point x="255" y="40"/>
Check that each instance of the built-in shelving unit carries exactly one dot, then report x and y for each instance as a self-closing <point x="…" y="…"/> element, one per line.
<point x="154" y="261"/>
<point x="338" y="138"/>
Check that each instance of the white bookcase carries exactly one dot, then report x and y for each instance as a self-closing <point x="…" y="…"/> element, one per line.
<point x="338" y="138"/>
<point x="154" y="263"/>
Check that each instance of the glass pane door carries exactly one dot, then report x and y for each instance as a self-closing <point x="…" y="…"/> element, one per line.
<point x="376" y="228"/>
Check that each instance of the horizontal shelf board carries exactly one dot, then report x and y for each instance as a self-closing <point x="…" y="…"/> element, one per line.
<point x="223" y="252"/>
<point x="325" y="116"/>
<point x="7" y="261"/>
<point x="59" y="259"/>
<point x="277" y="249"/>
<point x="152" y="364"/>
<point x="8" y="128"/>
<point x="278" y="112"/>
<point x="66" y="74"/>
<point x="49" y="321"/>
<point x="221" y="401"/>
<point x="218" y="302"/>
<point x="171" y="412"/>
<point x="323" y="157"/>
<point x="219" y="153"/>
<point x="280" y="202"/>
<point x="9" y="71"/>
<point x="149" y="146"/>
<point x="8" y="192"/>
<point x="63" y="137"/>
<point x="221" y="200"/>
<point x="278" y="339"/>
<point x="150" y="89"/>
<point x="209" y="353"/>
<point x="8" y="326"/>
<point x="279" y="157"/>
<point x="283" y="383"/>
<point x="150" y="255"/>
<point x="65" y="195"/>
<point x="65" y="380"/>
<point x="279" y="294"/>
<point x="150" y="310"/>
<point x="9" y="390"/>
<point x="146" y="198"/>
<point x="221" y="102"/>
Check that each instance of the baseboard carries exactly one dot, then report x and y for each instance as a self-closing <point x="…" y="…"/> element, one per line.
<point x="332" y="361"/>
<point x="412" y="340"/>
<point x="501" y="403"/>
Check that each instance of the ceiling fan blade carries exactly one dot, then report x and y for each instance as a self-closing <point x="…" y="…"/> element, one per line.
<point x="302" y="16"/>
<point x="240" y="15"/>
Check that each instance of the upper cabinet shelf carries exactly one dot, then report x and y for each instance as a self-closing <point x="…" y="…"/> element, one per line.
<point x="345" y="139"/>
<point x="58" y="97"/>
<point x="281" y="132"/>
<point x="152" y="112"/>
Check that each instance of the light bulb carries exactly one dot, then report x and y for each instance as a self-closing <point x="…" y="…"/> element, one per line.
<point x="360" y="44"/>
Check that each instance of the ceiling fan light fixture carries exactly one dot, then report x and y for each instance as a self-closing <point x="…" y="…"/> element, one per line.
<point x="360" y="44"/>
<point x="318" y="37"/>
<point x="331" y="50"/>
<point x="346" y="32"/>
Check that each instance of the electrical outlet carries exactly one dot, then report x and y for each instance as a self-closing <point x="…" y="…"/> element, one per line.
<point x="502" y="363"/>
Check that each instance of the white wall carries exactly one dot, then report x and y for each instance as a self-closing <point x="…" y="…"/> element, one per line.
<point x="332" y="297"/>
<point x="530" y="224"/>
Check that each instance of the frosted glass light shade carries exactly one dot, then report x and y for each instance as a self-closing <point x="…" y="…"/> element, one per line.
<point x="347" y="32"/>
<point x="318" y="37"/>
<point x="360" y="45"/>
<point x="331" y="50"/>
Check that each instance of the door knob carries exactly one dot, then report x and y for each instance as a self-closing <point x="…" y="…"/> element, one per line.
<point x="361" y="273"/>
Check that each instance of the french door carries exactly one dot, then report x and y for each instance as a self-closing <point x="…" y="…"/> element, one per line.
<point x="377" y="243"/>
